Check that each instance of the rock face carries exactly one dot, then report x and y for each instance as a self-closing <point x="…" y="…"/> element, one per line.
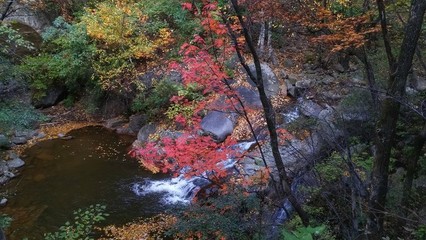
<point x="53" y="96"/>
<point x="28" y="16"/>
<point x="270" y="80"/>
<point x="218" y="125"/>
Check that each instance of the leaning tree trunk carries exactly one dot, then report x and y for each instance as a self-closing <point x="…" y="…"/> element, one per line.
<point x="386" y="125"/>
<point x="284" y="182"/>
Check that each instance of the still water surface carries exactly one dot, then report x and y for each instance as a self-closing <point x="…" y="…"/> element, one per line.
<point x="61" y="176"/>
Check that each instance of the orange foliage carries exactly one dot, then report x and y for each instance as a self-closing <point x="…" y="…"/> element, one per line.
<point x="343" y="32"/>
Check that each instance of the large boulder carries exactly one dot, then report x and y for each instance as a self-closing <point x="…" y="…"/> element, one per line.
<point x="270" y="80"/>
<point x="218" y="125"/>
<point x="52" y="97"/>
<point x="115" y="123"/>
<point x="145" y="132"/>
<point x="249" y="97"/>
<point x="19" y="140"/>
<point x="136" y="122"/>
<point x="309" y="108"/>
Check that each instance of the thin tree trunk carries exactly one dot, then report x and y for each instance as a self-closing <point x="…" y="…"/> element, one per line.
<point x="385" y="127"/>
<point x="412" y="167"/>
<point x="270" y="119"/>
<point x="362" y="56"/>
<point x="6" y="10"/>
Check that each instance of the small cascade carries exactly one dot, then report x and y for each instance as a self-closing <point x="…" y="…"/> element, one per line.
<point x="291" y="115"/>
<point x="178" y="190"/>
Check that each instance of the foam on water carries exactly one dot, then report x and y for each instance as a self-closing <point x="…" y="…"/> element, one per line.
<point x="177" y="190"/>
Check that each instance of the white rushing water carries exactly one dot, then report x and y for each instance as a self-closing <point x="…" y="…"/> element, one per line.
<point x="178" y="190"/>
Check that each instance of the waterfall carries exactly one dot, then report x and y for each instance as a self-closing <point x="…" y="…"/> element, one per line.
<point x="178" y="190"/>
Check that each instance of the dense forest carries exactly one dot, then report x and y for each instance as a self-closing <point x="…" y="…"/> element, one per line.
<point x="297" y="119"/>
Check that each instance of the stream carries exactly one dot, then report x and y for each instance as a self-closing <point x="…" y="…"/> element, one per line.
<point x="93" y="167"/>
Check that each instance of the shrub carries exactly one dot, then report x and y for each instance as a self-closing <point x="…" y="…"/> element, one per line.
<point x="17" y="116"/>
<point x="229" y="216"/>
<point x="65" y="60"/>
<point x="83" y="225"/>
<point x="156" y="101"/>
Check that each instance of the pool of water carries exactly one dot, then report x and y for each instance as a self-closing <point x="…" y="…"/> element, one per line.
<point x="61" y="176"/>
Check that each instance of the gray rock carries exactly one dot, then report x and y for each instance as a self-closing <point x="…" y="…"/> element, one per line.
<point x="27" y="134"/>
<point x="19" y="140"/>
<point x="170" y="134"/>
<point x="3" y="202"/>
<point x="249" y="97"/>
<point x="174" y="76"/>
<point x="15" y="163"/>
<point x="304" y="84"/>
<point x="12" y="155"/>
<point x="218" y="125"/>
<point x="4" y="142"/>
<point x="115" y="123"/>
<point x="9" y="174"/>
<point x="291" y="89"/>
<point x="40" y="135"/>
<point x="3" y="180"/>
<point x="145" y="131"/>
<point x="136" y="122"/>
<point x="270" y="80"/>
<point x="309" y="108"/>
<point x="125" y="130"/>
<point x="338" y="68"/>
<point x="3" y="167"/>
<point x="418" y="82"/>
<point x="53" y="96"/>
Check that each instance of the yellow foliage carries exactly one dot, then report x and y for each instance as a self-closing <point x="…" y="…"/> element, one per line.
<point x="148" y="229"/>
<point x="119" y="29"/>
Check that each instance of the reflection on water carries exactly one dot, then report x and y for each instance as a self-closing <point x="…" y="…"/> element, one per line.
<point x="61" y="176"/>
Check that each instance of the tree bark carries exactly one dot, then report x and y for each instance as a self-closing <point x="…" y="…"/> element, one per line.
<point x="386" y="125"/>
<point x="284" y="181"/>
<point x="6" y="10"/>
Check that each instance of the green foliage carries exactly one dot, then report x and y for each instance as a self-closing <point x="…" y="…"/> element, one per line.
<point x="191" y="91"/>
<point x="157" y="100"/>
<point x="5" y="221"/>
<point x="81" y="228"/>
<point x="185" y="110"/>
<point x="10" y="43"/>
<point x="420" y="232"/>
<point x="231" y="216"/>
<point x="11" y="40"/>
<point x="303" y="233"/>
<point x="346" y="8"/>
<point x="65" y="59"/>
<point x="17" y="116"/>
<point x="331" y="170"/>
<point x="169" y="14"/>
<point x="121" y="32"/>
